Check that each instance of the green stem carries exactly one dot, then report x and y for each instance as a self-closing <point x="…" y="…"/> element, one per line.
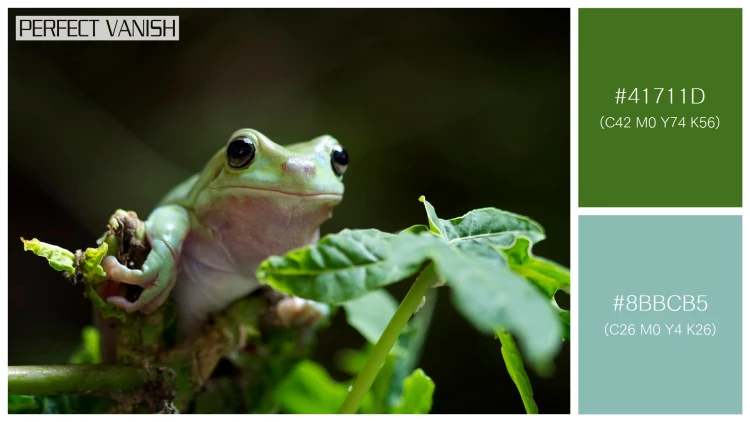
<point x="387" y="340"/>
<point x="94" y="380"/>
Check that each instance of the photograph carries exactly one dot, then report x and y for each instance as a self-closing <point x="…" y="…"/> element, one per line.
<point x="289" y="211"/>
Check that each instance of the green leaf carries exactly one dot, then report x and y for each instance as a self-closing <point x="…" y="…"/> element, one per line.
<point x="94" y="275"/>
<point x="60" y="259"/>
<point x="351" y="361"/>
<point x="418" y="391"/>
<point x="488" y="293"/>
<point x="514" y="363"/>
<point x="564" y="317"/>
<point x="92" y="270"/>
<point x="23" y="404"/>
<point x="486" y="226"/>
<point x="436" y="224"/>
<point x="338" y="268"/>
<point x="497" y="297"/>
<point x="548" y="276"/>
<point x="40" y="404"/>
<point x="88" y="351"/>
<point x="416" y="229"/>
<point x="371" y="313"/>
<point x="58" y="404"/>
<point x="309" y="389"/>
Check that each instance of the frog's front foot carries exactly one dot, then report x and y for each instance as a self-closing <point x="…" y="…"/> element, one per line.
<point x="166" y="229"/>
<point x="156" y="277"/>
<point x="298" y="312"/>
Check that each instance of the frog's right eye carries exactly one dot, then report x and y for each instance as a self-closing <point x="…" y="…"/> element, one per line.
<point x="240" y="152"/>
<point x="339" y="160"/>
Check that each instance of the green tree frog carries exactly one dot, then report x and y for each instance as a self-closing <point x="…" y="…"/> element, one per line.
<point x="252" y="200"/>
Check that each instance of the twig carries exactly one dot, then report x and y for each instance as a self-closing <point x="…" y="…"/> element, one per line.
<point x="87" y="379"/>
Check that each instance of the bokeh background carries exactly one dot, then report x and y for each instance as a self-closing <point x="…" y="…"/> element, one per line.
<point x="468" y="107"/>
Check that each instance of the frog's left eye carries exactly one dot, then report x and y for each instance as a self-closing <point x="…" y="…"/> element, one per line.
<point x="339" y="160"/>
<point x="240" y="152"/>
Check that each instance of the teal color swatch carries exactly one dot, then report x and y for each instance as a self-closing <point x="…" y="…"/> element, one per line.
<point x="674" y="345"/>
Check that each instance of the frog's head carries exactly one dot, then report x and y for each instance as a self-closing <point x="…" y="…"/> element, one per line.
<point x="268" y="193"/>
<point x="260" y="167"/>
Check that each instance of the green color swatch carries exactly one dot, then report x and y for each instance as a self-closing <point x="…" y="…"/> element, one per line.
<point x="663" y="150"/>
<point x="673" y="345"/>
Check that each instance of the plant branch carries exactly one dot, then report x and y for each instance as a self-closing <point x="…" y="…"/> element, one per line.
<point x="388" y="339"/>
<point x="94" y="380"/>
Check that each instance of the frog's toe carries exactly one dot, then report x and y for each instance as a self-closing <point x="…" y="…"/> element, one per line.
<point x="123" y="304"/>
<point x="295" y="311"/>
<point x="118" y="272"/>
<point x="150" y="300"/>
<point x="153" y="302"/>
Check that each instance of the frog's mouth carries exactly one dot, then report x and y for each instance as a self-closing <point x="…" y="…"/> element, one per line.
<point x="267" y="191"/>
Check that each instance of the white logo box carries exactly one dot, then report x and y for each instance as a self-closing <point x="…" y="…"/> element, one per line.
<point x="97" y="28"/>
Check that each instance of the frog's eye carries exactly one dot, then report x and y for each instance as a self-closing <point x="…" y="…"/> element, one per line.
<point x="240" y="152"/>
<point x="339" y="160"/>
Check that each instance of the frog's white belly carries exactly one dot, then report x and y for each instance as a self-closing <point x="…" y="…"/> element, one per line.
<point x="216" y="270"/>
<point x="202" y="290"/>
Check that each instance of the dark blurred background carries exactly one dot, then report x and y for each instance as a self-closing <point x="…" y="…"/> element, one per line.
<point x="468" y="107"/>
